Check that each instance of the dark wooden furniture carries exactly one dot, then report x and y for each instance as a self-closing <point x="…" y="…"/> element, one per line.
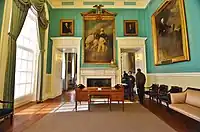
<point x="104" y="93"/>
<point x="162" y="93"/>
<point x="6" y="112"/>
<point x="112" y="94"/>
<point x="153" y="91"/>
<point x="165" y="96"/>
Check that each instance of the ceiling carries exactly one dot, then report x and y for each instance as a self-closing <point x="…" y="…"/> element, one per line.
<point x="107" y="3"/>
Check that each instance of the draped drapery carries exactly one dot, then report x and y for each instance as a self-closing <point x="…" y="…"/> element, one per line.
<point x="39" y="6"/>
<point x="19" y="12"/>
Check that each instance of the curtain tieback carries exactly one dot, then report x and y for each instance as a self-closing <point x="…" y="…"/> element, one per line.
<point x="42" y="50"/>
<point x="12" y="36"/>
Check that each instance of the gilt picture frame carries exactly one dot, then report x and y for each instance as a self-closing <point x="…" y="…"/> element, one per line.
<point x="98" y="38"/>
<point x="130" y="28"/>
<point x="169" y="31"/>
<point x="66" y="27"/>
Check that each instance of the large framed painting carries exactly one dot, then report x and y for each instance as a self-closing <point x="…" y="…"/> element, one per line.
<point x="170" y="33"/>
<point x="99" y="33"/>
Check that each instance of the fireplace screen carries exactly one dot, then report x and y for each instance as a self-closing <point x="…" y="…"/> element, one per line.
<point x="99" y="82"/>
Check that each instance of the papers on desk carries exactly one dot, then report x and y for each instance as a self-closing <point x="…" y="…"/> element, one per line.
<point x="99" y="88"/>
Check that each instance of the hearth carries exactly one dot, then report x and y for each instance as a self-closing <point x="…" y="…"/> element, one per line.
<point x="98" y="82"/>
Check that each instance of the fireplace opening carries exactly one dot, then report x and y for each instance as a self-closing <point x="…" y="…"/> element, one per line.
<point x="99" y="82"/>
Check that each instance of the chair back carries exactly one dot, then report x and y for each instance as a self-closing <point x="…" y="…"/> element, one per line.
<point x="163" y="89"/>
<point x="155" y="87"/>
<point x="175" y="89"/>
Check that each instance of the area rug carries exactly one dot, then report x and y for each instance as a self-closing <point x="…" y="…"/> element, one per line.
<point x="135" y="118"/>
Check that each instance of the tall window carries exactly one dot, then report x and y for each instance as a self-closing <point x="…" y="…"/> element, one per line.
<point x="27" y="44"/>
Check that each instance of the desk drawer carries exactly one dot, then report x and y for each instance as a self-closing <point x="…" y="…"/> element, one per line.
<point x="117" y="97"/>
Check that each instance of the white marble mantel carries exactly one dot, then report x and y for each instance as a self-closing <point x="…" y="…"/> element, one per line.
<point x="86" y="73"/>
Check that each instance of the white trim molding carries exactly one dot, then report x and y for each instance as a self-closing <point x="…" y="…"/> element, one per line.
<point x="175" y="74"/>
<point x="79" y="4"/>
<point x="183" y="80"/>
<point x="58" y="44"/>
<point x="131" y="43"/>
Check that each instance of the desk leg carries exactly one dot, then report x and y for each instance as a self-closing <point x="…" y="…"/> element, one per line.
<point x="89" y="100"/>
<point x="76" y="106"/>
<point x="110" y="103"/>
<point x="123" y="105"/>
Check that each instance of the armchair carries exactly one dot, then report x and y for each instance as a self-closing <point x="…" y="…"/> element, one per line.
<point x="153" y="91"/>
<point x="6" y="112"/>
<point x="165" y="97"/>
<point x="163" y="94"/>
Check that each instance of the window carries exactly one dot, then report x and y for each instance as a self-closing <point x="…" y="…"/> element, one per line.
<point x="27" y="44"/>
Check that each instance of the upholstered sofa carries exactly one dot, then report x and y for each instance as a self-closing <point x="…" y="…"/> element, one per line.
<point x="187" y="103"/>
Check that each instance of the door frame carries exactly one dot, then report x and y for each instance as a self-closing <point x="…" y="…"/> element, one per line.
<point x="64" y="43"/>
<point x="131" y="43"/>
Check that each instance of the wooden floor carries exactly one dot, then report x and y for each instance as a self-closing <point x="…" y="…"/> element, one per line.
<point x="26" y="115"/>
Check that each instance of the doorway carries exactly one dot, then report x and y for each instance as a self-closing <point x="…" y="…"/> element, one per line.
<point x="134" y="49"/>
<point x="66" y="57"/>
<point x="69" y="71"/>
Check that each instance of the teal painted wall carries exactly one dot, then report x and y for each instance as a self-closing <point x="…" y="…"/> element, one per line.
<point x="192" y="8"/>
<point x="122" y="14"/>
<point x="1" y="12"/>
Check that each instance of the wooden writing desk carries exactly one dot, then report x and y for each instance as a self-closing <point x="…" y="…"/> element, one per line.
<point x="110" y="93"/>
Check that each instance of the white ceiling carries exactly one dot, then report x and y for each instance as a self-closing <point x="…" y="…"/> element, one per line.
<point x="107" y="3"/>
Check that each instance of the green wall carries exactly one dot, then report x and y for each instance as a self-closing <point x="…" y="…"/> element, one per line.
<point x="122" y="14"/>
<point x="1" y="12"/>
<point x="192" y="8"/>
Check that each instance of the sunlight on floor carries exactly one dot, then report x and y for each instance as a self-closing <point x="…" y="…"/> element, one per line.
<point x="70" y="107"/>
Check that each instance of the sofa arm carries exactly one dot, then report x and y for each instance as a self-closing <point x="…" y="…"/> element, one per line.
<point x="177" y="98"/>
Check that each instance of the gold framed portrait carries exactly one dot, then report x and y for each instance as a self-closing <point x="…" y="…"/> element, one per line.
<point x="169" y="30"/>
<point x="66" y="27"/>
<point x="130" y="28"/>
<point x="98" y="38"/>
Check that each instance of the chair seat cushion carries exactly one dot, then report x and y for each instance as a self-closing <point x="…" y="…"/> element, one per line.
<point x="188" y="110"/>
<point x="164" y="98"/>
<point x="5" y="111"/>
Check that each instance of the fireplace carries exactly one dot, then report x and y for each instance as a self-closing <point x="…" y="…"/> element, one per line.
<point x="98" y="82"/>
<point x="98" y="73"/>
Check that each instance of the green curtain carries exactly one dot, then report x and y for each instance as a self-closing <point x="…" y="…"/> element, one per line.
<point x="19" y="12"/>
<point x="39" y="6"/>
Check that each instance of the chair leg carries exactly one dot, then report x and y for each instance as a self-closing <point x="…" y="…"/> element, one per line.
<point x="76" y="106"/>
<point x="11" y="119"/>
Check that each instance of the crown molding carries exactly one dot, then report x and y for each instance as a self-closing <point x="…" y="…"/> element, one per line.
<point x="79" y="4"/>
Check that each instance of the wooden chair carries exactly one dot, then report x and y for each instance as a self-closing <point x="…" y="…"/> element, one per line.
<point x="162" y="93"/>
<point x="153" y="92"/>
<point x="6" y="112"/>
<point x="147" y="92"/>
<point x="165" y="97"/>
